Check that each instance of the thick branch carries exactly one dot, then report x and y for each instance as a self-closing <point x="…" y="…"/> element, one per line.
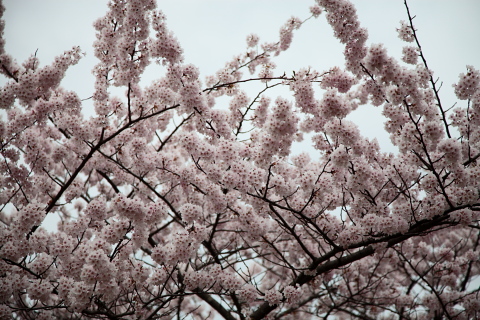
<point x="303" y="278"/>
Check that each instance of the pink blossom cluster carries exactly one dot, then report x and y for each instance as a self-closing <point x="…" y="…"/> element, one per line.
<point x="468" y="84"/>
<point x="286" y="32"/>
<point x="316" y="10"/>
<point x="410" y="54"/>
<point x="273" y="297"/>
<point x="27" y="82"/>
<point x="405" y="32"/>
<point x="252" y="40"/>
<point x="304" y="92"/>
<point x="337" y="78"/>
<point x="342" y="16"/>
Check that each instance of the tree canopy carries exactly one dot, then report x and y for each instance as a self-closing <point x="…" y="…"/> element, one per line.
<point x="173" y="204"/>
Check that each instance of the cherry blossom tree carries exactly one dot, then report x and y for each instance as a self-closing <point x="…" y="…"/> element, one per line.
<point x="172" y="205"/>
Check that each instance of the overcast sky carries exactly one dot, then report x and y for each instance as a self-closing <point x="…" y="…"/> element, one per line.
<point x="212" y="31"/>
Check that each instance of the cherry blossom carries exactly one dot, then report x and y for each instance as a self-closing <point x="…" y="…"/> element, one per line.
<point x="187" y="197"/>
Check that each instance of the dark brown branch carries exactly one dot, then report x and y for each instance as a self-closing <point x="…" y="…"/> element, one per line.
<point x="214" y="304"/>
<point x="432" y="82"/>
<point x="11" y="75"/>
<point x="104" y="175"/>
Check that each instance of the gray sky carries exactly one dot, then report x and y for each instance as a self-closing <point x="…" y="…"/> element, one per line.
<point x="212" y="31"/>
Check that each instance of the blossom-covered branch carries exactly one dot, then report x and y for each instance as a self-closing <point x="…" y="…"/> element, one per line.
<point x="170" y="204"/>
